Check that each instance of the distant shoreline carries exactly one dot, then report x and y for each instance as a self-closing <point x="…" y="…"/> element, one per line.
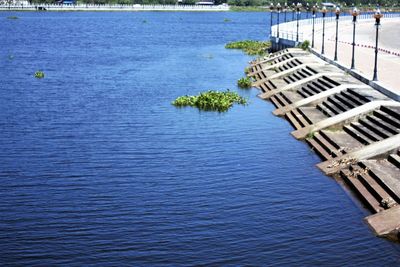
<point x="106" y="8"/>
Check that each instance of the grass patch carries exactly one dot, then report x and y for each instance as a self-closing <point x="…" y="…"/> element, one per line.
<point x="39" y="74"/>
<point x="250" y="47"/>
<point x="244" y="82"/>
<point x="211" y="100"/>
<point x="12" y="17"/>
<point x="305" y="45"/>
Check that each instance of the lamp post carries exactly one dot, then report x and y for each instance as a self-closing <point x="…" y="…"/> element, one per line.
<point x="337" y="12"/>
<point x="293" y="10"/>
<point x="284" y="10"/>
<point x="378" y="15"/>
<point x="278" y="8"/>
<point x="323" y="29"/>
<point x="313" y="25"/>
<point x="271" y="8"/>
<point x="354" y="13"/>
<point x="298" y="7"/>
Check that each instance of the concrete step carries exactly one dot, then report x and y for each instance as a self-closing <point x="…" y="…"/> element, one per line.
<point x="347" y="94"/>
<point x="322" y="153"/>
<point x="305" y="116"/>
<point x="337" y="103"/>
<point x="370" y="201"/>
<point x="350" y="104"/>
<point x="370" y="184"/>
<point x="325" y="110"/>
<point x="302" y="93"/>
<point x="392" y="111"/>
<point x="395" y="160"/>
<point x="386" y="174"/>
<point x="325" y="135"/>
<point x="326" y="145"/>
<point x="365" y="131"/>
<point x="331" y="107"/>
<point x="375" y="128"/>
<point x="306" y="92"/>
<point x="383" y="124"/>
<point x="313" y="88"/>
<point x="357" y="135"/>
<point x="292" y="120"/>
<point x="387" y="118"/>
<point x="361" y="97"/>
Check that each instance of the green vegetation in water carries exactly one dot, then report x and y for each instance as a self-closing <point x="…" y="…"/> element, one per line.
<point x="247" y="70"/>
<point x="211" y="100"/>
<point x="250" y="47"/>
<point x="244" y="82"/>
<point x="305" y="45"/>
<point x="227" y="20"/>
<point x="39" y="74"/>
<point x="144" y="21"/>
<point x="12" y="17"/>
<point x="310" y="135"/>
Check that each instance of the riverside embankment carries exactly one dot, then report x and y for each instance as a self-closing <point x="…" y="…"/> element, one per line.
<point x="353" y="127"/>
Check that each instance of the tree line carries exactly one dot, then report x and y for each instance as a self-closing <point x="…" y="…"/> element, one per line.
<point x="246" y="3"/>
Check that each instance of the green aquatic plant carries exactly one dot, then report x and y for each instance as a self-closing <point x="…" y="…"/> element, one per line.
<point x="244" y="82"/>
<point x="144" y="21"/>
<point x="211" y="100"/>
<point x="247" y="70"/>
<point x="305" y="45"/>
<point x="310" y="135"/>
<point x="227" y="20"/>
<point x="12" y="17"/>
<point x="250" y="47"/>
<point x="39" y="74"/>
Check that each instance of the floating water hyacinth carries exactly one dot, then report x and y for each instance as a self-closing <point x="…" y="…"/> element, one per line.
<point x="211" y="100"/>
<point x="39" y="74"/>
<point x="244" y="82"/>
<point x="250" y="47"/>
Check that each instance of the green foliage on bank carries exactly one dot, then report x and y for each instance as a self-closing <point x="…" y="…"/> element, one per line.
<point x="250" y="47"/>
<point x="244" y="82"/>
<point x="39" y="74"/>
<point x="211" y="100"/>
<point x="305" y="45"/>
<point x="12" y="17"/>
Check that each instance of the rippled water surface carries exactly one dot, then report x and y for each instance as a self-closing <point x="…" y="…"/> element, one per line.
<point x="97" y="167"/>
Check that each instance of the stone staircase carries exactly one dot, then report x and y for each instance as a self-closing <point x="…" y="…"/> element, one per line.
<point x="344" y="118"/>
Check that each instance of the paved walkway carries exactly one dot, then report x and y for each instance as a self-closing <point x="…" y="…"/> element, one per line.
<point x="388" y="60"/>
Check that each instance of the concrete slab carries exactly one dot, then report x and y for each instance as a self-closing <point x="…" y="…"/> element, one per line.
<point x="386" y="223"/>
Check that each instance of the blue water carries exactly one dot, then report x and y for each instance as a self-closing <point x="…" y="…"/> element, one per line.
<point x="97" y="167"/>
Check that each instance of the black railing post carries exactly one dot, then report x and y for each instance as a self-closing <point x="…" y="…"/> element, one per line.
<point x="278" y="8"/>
<point x="298" y="14"/>
<point x="313" y="25"/>
<point x="337" y="28"/>
<point x="378" y="15"/>
<point x="354" y="14"/>
<point x="271" y="8"/>
<point x="323" y="29"/>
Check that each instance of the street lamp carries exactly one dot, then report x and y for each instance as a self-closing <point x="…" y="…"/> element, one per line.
<point x="354" y="13"/>
<point x="378" y="15"/>
<point x="293" y="10"/>
<point x="279" y="8"/>
<point x="323" y="29"/>
<point x="271" y="7"/>
<point x="298" y="14"/>
<point x="337" y="12"/>
<point x="284" y="10"/>
<point x="313" y="24"/>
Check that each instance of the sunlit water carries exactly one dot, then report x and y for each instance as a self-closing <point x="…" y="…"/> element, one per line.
<point x="97" y="167"/>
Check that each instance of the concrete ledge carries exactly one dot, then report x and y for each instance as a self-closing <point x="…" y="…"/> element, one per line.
<point x="378" y="148"/>
<point x="376" y="85"/>
<point x="386" y="223"/>
<point x="283" y="110"/>
<point x="342" y="117"/>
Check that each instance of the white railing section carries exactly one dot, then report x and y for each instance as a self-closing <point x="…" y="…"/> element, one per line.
<point x="288" y="30"/>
